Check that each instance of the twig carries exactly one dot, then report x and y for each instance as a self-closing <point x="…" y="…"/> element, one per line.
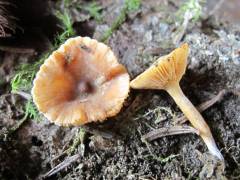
<point x="62" y="165"/>
<point x="25" y="95"/>
<point x="167" y="131"/>
<point x="95" y="131"/>
<point x="182" y="29"/>
<point x="18" y="50"/>
<point x="203" y="106"/>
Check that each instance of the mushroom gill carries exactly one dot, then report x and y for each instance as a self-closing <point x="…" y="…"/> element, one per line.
<point x="165" y="74"/>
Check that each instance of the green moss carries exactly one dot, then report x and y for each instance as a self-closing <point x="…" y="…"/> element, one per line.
<point x="191" y="6"/>
<point x="78" y="140"/>
<point x="161" y="159"/>
<point x="25" y="74"/>
<point x="67" y="26"/>
<point x="129" y="6"/>
<point x="94" y="10"/>
<point x="22" y="81"/>
<point x="132" y="5"/>
<point x="31" y="111"/>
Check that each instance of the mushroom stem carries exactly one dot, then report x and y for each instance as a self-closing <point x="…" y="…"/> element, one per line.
<point x="194" y="117"/>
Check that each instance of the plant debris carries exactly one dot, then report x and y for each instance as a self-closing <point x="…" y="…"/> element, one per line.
<point x="168" y="131"/>
<point x="7" y="21"/>
<point x="68" y="161"/>
<point x="203" y="106"/>
<point x="115" y="148"/>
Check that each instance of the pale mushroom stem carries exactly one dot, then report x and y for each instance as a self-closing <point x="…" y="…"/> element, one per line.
<point x="194" y="117"/>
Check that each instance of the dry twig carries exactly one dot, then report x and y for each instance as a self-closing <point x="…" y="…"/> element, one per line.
<point x="205" y="105"/>
<point x="182" y="119"/>
<point x="18" y="50"/>
<point x="168" y="131"/>
<point x="62" y="165"/>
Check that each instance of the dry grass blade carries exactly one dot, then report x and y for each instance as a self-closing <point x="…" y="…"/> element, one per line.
<point x="205" y="105"/>
<point x="62" y="165"/>
<point x="168" y="131"/>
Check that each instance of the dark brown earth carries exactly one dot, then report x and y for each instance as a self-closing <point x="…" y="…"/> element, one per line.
<point x="214" y="65"/>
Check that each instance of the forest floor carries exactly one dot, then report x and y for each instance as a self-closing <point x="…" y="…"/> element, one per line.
<point x="115" y="149"/>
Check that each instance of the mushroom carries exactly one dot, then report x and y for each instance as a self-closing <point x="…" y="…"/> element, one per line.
<point x="81" y="82"/>
<point x="165" y="74"/>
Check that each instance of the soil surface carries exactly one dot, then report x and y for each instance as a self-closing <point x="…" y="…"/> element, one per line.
<point x="115" y="149"/>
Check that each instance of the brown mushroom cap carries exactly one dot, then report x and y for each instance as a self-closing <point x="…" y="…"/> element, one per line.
<point x="166" y="69"/>
<point x="80" y="82"/>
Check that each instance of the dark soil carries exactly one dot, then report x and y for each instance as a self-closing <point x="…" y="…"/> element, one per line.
<point x="214" y="64"/>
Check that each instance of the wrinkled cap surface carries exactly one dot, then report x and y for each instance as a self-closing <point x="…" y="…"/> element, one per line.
<point x="80" y="82"/>
<point x="166" y="69"/>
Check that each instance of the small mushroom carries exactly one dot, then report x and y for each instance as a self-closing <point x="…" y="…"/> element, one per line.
<point x="165" y="74"/>
<point x="81" y="82"/>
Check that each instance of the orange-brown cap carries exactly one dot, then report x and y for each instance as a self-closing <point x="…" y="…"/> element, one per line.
<point x="166" y="69"/>
<point x="80" y="82"/>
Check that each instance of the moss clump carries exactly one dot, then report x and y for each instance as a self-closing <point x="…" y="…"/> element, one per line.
<point x="22" y="81"/>
<point x="67" y="26"/>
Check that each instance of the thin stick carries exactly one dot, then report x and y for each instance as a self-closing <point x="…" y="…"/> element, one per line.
<point x="95" y="131"/>
<point x="62" y="165"/>
<point x="168" y="131"/>
<point x="18" y="50"/>
<point x="203" y="106"/>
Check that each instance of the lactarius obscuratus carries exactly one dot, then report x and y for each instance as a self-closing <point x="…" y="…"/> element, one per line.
<point x="81" y="82"/>
<point x="165" y="74"/>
